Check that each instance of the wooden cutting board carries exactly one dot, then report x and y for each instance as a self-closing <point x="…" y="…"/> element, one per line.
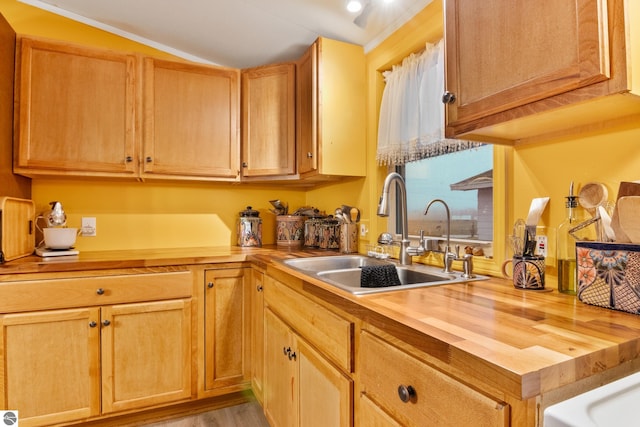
<point x="629" y="217"/>
<point x="625" y="189"/>
<point x="17" y="222"/>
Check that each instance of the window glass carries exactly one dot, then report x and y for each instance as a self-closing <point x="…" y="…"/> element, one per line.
<point x="464" y="180"/>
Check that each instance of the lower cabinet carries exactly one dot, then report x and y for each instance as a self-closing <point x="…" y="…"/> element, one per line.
<point x="396" y="388"/>
<point x="301" y="387"/>
<point x="226" y="328"/>
<point x="257" y="334"/>
<point x="80" y="347"/>
<point x="66" y="365"/>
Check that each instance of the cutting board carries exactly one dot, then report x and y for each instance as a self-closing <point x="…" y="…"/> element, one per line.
<point x="17" y="232"/>
<point x="625" y="189"/>
<point x="629" y="217"/>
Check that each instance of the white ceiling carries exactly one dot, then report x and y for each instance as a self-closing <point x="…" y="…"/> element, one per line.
<point x="236" y="33"/>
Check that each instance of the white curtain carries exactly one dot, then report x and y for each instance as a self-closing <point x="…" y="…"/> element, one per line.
<point x="411" y="125"/>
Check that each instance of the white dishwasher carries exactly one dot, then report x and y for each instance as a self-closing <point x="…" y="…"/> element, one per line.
<point x="613" y="404"/>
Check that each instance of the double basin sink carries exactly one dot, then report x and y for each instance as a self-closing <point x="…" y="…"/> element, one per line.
<point x="344" y="272"/>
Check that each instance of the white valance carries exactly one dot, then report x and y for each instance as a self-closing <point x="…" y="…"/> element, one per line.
<point x="411" y="125"/>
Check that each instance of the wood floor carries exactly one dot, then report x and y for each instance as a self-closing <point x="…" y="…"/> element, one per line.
<point x="244" y="415"/>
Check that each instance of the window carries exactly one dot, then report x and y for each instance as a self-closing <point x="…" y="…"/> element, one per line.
<point x="464" y="180"/>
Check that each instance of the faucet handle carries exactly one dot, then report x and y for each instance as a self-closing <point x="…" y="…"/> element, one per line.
<point x="421" y="241"/>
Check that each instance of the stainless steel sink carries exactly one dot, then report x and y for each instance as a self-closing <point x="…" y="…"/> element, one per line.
<point x="344" y="272"/>
<point x="325" y="263"/>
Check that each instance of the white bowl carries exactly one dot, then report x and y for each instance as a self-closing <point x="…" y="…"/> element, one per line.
<point x="60" y="238"/>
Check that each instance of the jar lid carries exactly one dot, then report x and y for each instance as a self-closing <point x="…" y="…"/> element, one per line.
<point x="249" y="212"/>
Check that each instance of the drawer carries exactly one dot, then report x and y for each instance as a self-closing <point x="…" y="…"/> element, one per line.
<point x="438" y="400"/>
<point x="328" y="332"/>
<point x="46" y="294"/>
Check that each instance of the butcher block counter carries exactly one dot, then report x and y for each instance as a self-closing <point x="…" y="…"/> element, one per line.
<point x="538" y="347"/>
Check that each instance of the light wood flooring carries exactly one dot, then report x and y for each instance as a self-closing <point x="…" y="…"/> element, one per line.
<point x="244" y="415"/>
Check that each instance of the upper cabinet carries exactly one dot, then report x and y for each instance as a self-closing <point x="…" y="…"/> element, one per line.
<point x="191" y="120"/>
<point x="90" y="112"/>
<point x="330" y="93"/>
<point x="514" y="68"/>
<point x="268" y="121"/>
<point x="75" y="111"/>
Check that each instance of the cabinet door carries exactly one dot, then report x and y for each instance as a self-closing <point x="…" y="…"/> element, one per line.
<point x="503" y="54"/>
<point x="307" y="110"/>
<point x="226" y="328"/>
<point x="257" y="334"/>
<point x="268" y="121"/>
<point x="331" y="121"/>
<point x="191" y="127"/>
<point x="326" y="395"/>
<point x="146" y="354"/>
<point x="50" y="364"/>
<point x="75" y="111"/>
<point x="280" y="373"/>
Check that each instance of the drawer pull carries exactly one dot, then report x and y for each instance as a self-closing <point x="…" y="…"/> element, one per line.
<point x="100" y="291"/>
<point x="106" y="322"/>
<point x="406" y="393"/>
<point x="93" y="324"/>
<point x="210" y="285"/>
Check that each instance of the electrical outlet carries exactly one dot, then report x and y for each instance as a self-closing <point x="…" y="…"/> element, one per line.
<point x="541" y="246"/>
<point x="363" y="229"/>
<point x="88" y="226"/>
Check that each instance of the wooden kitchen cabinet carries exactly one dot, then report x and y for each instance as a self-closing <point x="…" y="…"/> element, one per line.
<point x="396" y="388"/>
<point x="114" y="342"/>
<point x="75" y="111"/>
<point x="146" y="354"/>
<point x="226" y="328"/>
<point x="520" y="70"/>
<point x="268" y="121"/>
<point x="257" y="333"/>
<point x="191" y="121"/>
<point x="330" y="117"/>
<point x="84" y="111"/>
<point x="301" y="386"/>
<point x="308" y="360"/>
<point x="51" y="354"/>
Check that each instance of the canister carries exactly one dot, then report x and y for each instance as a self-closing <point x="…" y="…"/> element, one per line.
<point x="249" y="228"/>
<point x="312" y="232"/>
<point x="290" y="230"/>
<point x="330" y="234"/>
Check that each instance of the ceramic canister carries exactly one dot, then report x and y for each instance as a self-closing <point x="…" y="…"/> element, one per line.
<point x="289" y="230"/>
<point x="249" y="228"/>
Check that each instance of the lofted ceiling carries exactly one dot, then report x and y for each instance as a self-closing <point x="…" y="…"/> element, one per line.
<point x="238" y="33"/>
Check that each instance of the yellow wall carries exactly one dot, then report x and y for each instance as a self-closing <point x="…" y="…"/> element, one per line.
<point x="206" y="213"/>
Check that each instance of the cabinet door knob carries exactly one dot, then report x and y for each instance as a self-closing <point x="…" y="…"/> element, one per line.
<point x="245" y="165"/>
<point x="448" y="97"/>
<point x="286" y="350"/>
<point x="106" y="322"/>
<point x="259" y="288"/>
<point x="148" y="159"/>
<point x="93" y="324"/>
<point x="100" y="291"/>
<point x="210" y="285"/>
<point x="292" y="355"/>
<point x="406" y="393"/>
<point x="309" y="155"/>
<point x="128" y="159"/>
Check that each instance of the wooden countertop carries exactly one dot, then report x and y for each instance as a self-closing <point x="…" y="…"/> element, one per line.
<point x="526" y="343"/>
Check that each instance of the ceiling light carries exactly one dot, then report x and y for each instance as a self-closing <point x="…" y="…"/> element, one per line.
<point x="354" y="6"/>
